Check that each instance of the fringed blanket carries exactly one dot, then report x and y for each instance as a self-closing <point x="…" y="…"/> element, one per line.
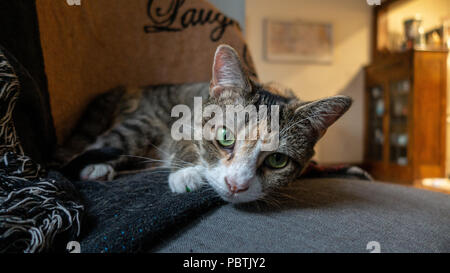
<point x="34" y="208"/>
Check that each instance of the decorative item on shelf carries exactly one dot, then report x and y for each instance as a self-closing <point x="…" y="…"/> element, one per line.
<point x="421" y="43"/>
<point x="379" y="137"/>
<point x="376" y="92"/>
<point x="379" y="108"/>
<point x="435" y="39"/>
<point x="401" y="87"/>
<point x="398" y="108"/>
<point x="412" y="33"/>
<point x="402" y="140"/>
<point x="405" y="86"/>
<point x="402" y="161"/>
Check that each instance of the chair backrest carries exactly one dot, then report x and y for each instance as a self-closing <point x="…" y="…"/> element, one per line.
<point x="92" y="46"/>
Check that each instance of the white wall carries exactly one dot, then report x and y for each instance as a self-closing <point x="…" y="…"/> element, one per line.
<point x="351" y="20"/>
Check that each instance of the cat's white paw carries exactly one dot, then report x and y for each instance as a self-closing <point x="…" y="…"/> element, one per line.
<point x="185" y="180"/>
<point x="100" y="172"/>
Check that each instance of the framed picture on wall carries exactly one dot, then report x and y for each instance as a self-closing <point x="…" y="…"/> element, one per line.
<point x="297" y="41"/>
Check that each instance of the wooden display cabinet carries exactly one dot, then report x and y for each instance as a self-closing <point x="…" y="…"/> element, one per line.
<point x="406" y="116"/>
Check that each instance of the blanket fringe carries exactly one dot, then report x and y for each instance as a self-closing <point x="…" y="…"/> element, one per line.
<point x="34" y="212"/>
<point x="33" y="209"/>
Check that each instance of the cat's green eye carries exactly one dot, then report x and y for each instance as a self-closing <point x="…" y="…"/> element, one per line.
<point x="225" y="138"/>
<point x="277" y="161"/>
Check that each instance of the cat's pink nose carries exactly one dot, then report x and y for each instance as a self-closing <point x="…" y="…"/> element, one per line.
<point x="234" y="187"/>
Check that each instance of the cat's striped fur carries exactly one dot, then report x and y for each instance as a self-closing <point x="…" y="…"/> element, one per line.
<point x="140" y="129"/>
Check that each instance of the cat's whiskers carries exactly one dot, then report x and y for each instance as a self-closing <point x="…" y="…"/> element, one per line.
<point x="271" y="201"/>
<point x="289" y="197"/>
<point x="172" y="163"/>
<point x="169" y="155"/>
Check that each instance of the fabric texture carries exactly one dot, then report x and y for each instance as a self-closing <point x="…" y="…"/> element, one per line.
<point x="132" y="213"/>
<point x="34" y="208"/>
<point x="326" y="215"/>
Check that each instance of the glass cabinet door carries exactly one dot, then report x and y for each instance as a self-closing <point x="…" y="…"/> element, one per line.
<point x="398" y="121"/>
<point x="376" y="113"/>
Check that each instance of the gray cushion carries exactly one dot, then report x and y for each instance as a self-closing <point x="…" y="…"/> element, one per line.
<point x="328" y="215"/>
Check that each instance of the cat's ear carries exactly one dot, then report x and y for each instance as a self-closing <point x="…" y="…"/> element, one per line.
<point x="323" y="113"/>
<point x="227" y="72"/>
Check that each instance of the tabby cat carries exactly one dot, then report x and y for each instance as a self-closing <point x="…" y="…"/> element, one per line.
<point x="237" y="169"/>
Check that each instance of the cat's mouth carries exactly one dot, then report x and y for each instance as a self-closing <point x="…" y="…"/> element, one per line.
<point x="251" y="193"/>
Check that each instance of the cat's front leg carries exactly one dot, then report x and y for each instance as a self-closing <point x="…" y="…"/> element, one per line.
<point x="186" y="179"/>
<point x="182" y="157"/>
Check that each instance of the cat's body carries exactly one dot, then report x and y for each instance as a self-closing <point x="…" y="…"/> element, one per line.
<point x="142" y="124"/>
<point x="235" y="166"/>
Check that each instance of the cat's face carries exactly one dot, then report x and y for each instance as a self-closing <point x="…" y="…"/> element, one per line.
<point x="242" y="168"/>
